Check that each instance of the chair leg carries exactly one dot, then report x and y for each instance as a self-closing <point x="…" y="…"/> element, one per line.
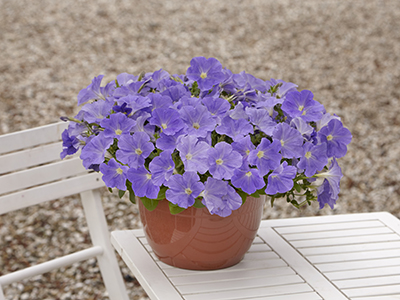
<point x="2" y="297"/>
<point x="100" y="235"/>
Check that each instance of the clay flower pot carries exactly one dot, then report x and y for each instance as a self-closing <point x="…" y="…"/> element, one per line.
<point x="196" y="240"/>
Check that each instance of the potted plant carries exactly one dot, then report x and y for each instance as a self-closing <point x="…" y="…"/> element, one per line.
<point x="200" y="149"/>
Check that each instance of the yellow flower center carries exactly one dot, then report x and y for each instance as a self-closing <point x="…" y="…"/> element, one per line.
<point x="138" y="151"/>
<point x="189" y="156"/>
<point x="118" y="132"/>
<point x="164" y="126"/>
<point x="247" y="152"/>
<point x="203" y="75"/>
<point x="219" y="161"/>
<point x="282" y="143"/>
<point x="196" y="125"/>
<point x="248" y="174"/>
<point x="329" y="137"/>
<point x="148" y="176"/>
<point x="301" y="107"/>
<point x="119" y="171"/>
<point x="308" y="154"/>
<point x="188" y="191"/>
<point x="260" y="154"/>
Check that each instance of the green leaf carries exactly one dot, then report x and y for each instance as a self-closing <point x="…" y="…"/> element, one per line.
<point x="175" y="209"/>
<point x="198" y="203"/>
<point x="243" y="195"/>
<point x="297" y="187"/>
<point x="132" y="197"/>
<point x="161" y="193"/>
<point x="121" y="193"/>
<point x="110" y="190"/>
<point x="150" y="204"/>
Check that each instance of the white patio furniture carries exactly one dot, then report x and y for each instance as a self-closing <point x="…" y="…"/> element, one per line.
<point x="354" y="256"/>
<point x="31" y="173"/>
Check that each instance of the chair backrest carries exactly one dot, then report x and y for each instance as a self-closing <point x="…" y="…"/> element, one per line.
<point x="31" y="172"/>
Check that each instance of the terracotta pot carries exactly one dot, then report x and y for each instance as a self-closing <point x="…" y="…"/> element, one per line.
<point x="196" y="240"/>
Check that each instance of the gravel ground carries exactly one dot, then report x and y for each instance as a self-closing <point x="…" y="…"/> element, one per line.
<point x="346" y="52"/>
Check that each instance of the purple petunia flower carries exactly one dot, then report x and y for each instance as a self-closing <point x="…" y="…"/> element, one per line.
<point x="266" y="156"/>
<point x="70" y="144"/>
<point x="198" y="120"/>
<point x="168" y="120"/>
<point x="238" y="112"/>
<point x="117" y="125"/>
<point x="220" y="198"/>
<point x="235" y="129"/>
<point x="92" y="91"/>
<point x="332" y="176"/>
<point x="142" y="183"/>
<point x="301" y="104"/>
<point x="262" y="119"/>
<point x="314" y="158"/>
<point x="159" y="101"/>
<point x="95" y="150"/>
<point x="207" y="72"/>
<point x="183" y="189"/>
<point x="217" y="107"/>
<point x="114" y="174"/>
<point x="244" y="146"/>
<point x="291" y="140"/>
<point x="135" y="102"/>
<point x="243" y="78"/>
<point x="193" y="153"/>
<point x="133" y="149"/>
<point x="223" y="161"/>
<point x="168" y="142"/>
<point x="302" y="127"/>
<point x="247" y="179"/>
<point x="96" y="111"/>
<point x="325" y="195"/>
<point x="281" y="179"/>
<point x="337" y="138"/>
<point x="126" y="79"/>
<point x="162" y="167"/>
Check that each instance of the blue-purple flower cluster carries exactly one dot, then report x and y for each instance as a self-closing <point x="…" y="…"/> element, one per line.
<point x="208" y="138"/>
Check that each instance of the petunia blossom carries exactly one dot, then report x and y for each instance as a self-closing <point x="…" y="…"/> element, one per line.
<point x="281" y="179"/>
<point x="266" y="156"/>
<point x="337" y="138"/>
<point x="162" y="167"/>
<point x="167" y="119"/>
<point x="206" y="72"/>
<point x="235" y="129"/>
<point x="193" y="153"/>
<point x="95" y="150"/>
<point x="301" y="104"/>
<point x="314" y="158"/>
<point x="223" y="160"/>
<point x="220" y="198"/>
<point x="291" y="140"/>
<point x="198" y="120"/>
<point x="142" y="183"/>
<point x="183" y="189"/>
<point x="133" y="149"/>
<point x="114" y="174"/>
<point x="247" y="179"/>
<point x="117" y="125"/>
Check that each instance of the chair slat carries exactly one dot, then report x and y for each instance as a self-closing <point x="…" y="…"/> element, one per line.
<point x="30" y="157"/>
<point x="51" y="191"/>
<point x="51" y="265"/>
<point x="31" y="137"/>
<point x="40" y="175"/>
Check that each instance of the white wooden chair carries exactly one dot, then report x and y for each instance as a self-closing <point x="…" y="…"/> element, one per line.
<point x="31" y="172"/>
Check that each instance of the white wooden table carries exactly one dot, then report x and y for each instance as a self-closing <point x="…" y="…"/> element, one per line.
<point x="354" y="256"/>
